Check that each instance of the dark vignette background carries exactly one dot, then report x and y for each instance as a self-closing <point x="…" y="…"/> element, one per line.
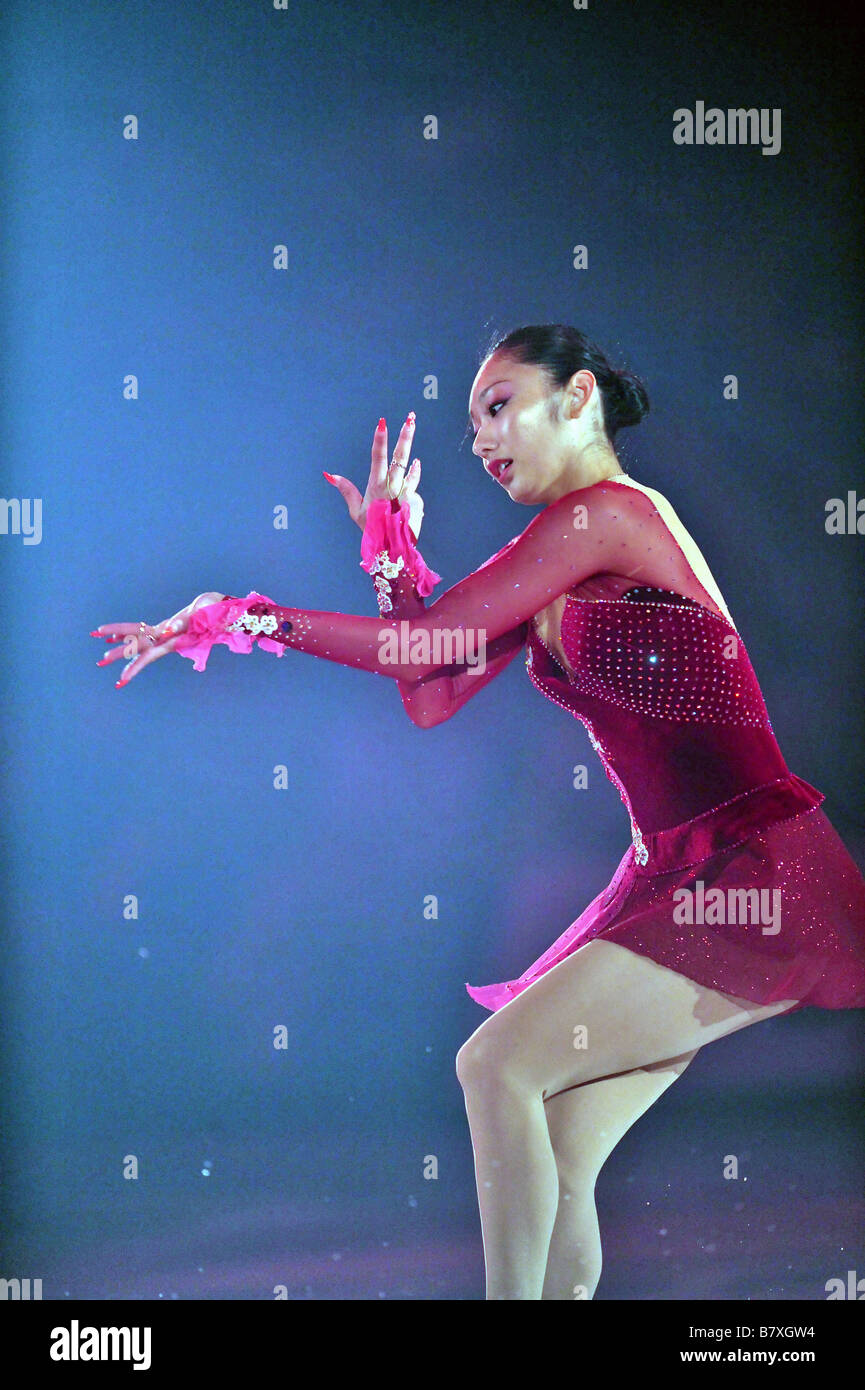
<point x="304" y="907"/>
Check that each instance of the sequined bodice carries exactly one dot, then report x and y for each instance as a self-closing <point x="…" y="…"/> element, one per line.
<point x="668" y="695"/>
<point x="661" y="655"/>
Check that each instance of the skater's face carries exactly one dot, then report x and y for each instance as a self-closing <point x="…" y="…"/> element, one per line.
<point x="554" y="439"/>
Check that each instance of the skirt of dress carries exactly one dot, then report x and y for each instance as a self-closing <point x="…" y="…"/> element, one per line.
<point x="757" y="898"/>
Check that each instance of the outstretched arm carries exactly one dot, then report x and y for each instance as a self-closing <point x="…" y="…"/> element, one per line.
<point x="607" y="527"/>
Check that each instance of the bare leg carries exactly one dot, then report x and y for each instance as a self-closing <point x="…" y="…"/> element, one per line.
<point x="634" y="1013"/>
<point x="517" y="1182"/>
<point x="585" y="1125"/>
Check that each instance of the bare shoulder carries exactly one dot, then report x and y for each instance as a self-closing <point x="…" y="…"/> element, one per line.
<point x="685" y="540"/>
<point x="656" y="496"/>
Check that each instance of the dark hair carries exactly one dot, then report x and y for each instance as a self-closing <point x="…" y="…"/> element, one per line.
<point x="560" y="351"/>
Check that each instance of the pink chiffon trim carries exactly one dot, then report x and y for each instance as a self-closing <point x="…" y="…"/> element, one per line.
<point x="389" y="530"/>
<point x="207" y="626"/>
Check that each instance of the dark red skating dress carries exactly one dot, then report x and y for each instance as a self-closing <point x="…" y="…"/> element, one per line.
<point x="773" y="905"/>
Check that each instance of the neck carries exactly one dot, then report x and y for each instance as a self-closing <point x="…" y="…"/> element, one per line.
<point x="593" y="466"/>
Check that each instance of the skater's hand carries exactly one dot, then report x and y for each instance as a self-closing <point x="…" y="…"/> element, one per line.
<point x="394" y="480"/>
<point x="141" y="643"/>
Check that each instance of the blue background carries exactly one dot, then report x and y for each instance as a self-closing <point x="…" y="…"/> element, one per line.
<point x="304" y="907"/>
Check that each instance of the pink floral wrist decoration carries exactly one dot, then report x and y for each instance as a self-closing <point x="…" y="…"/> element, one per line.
<point x="237" y="623"/>
<point x="388" y="549"/>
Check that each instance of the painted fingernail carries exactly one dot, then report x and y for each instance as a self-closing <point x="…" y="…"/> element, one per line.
<point x="381" y="423"/>
<point x="411" y="417"/>
<point x="103" y="662"/>
<point x="117" y="684"/>
<point x="329" y="476"/>
<point x="96" y="633"/>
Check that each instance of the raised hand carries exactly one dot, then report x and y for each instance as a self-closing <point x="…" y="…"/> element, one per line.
<point x="386" y="480"/>
<point x="140" y="643"/>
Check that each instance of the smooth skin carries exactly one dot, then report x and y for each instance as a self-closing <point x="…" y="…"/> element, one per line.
<point x="544" y="1114"/>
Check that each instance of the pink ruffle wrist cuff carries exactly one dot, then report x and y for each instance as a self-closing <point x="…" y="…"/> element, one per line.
<point x="209" y="625"/>
<point x="387" y="541"/>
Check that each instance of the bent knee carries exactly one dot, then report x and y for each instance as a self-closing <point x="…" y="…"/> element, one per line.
<point x="467" y="1063"/>
<point x="577" y="1180"/>
<point x="484" y="1058"/>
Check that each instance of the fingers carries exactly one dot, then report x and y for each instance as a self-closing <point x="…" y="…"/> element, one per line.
<point x="399" y="464"/>
<point x="349" y="493"/>
<point x="131" y="647"/>
<point x="112" y="655"/>
<point x="124" y="634"/>
<point x="412" y="478"/>
<point x="387" y="480"/>
<point x="152" y="653"/>
<point x="142" y="643"/>
<point x="378" y="470"/>
<point x="115" y="631"/>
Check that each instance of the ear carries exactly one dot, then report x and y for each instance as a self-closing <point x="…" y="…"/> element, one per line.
<point x="581" y="389"/>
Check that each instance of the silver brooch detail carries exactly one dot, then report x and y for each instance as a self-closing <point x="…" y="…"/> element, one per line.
<point x="385" y="566"/>
<point x="250" y="622"/>
<point x="641" y="854"/>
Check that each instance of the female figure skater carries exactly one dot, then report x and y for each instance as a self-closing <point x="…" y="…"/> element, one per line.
<point x="735" y="900"/>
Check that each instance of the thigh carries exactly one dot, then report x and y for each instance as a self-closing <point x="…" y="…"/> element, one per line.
<point x="601" y="1011"/>
<point x="586" y="1122"/>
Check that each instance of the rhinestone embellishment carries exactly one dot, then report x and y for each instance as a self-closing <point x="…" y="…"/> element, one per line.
<point x="384" y="568"/>
<point x="384" y="565"/>
<point x="250" y="622"/>
<point x="641" y="854"/>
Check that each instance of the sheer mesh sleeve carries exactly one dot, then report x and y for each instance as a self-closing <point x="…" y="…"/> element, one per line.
<point x="606" y="528"/>
<point x="439" y="695"/>
<point x="389" y="554"/>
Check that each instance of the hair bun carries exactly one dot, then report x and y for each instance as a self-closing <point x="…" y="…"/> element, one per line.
<point x="631" y="399"/>
<point x="560" y="350"/>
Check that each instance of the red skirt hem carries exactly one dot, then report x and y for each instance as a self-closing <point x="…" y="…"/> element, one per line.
<point x="776" y="905"/>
